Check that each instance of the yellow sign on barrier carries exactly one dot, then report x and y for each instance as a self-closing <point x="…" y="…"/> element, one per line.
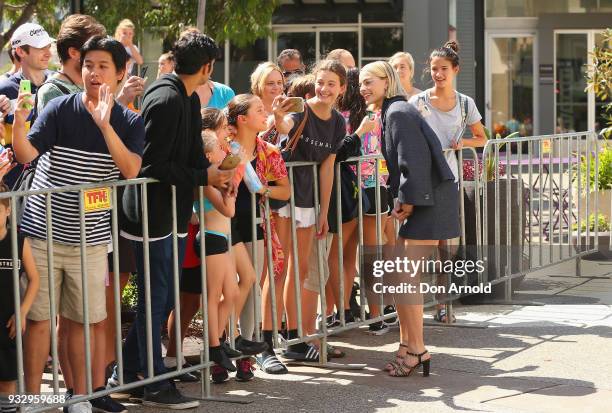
<point x="97" y="199"/>
<point x="546" y="146"/>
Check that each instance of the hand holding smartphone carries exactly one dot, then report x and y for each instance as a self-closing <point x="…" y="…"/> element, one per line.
<point x="26" y="87"/>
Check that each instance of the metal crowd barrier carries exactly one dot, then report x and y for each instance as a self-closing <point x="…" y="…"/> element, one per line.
<point x="562" y="175"/>
<point x="571" y="144"/>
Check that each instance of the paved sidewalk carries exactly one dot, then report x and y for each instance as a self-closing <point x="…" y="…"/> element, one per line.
<point x="551" y="358"/>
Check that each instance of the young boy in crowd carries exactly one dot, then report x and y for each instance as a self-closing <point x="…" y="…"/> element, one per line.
<point x="95" y="140"/>
<point x="8" y="324"/>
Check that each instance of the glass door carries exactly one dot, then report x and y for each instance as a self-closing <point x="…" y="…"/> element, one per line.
<point x="576" y="109"/>
<point x="510" y="84"/>
<point x="572" y="103"/>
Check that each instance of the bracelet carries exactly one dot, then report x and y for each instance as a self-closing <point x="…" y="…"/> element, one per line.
<point x="267" y="193"/>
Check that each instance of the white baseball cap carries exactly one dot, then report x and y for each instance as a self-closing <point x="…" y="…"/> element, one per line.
<point x="31" y="34"/>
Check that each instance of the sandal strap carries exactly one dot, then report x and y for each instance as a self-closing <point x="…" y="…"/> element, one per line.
<point x="418" y="355"/>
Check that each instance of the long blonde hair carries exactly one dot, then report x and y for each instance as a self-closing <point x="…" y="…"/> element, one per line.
<point x="260" y="74"/>
<point x="383" y="70"/>
<point x="408" y="57"/>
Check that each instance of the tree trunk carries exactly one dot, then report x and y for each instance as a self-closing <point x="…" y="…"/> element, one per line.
<point x="25" y="15"/>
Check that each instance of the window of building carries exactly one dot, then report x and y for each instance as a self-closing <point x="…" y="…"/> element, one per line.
<point x="533" y="8"/>
<point x="243" y="61"/>
<point x="382" y="41"/>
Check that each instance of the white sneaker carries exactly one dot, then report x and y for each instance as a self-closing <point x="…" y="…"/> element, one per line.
<point x="81" y="407"/>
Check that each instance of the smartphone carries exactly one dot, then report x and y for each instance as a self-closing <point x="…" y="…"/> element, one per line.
<point x="230" y="162"/>
<point x="143" y="71"/>
<point x="296" y="104"/>
<point x="25" y="87"/>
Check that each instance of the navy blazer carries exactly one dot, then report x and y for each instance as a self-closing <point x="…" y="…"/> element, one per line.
<point x="413" y="153"/>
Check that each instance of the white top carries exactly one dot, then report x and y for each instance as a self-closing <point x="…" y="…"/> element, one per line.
<point x="448" y="126"/>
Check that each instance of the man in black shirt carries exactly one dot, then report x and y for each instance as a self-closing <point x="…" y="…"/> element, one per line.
<point x="174" y="155"/>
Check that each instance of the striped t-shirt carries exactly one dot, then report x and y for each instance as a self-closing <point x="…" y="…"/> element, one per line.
<point x="73" y="151"/>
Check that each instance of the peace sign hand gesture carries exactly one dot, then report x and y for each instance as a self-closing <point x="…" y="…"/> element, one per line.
<point x="102" y="111"/>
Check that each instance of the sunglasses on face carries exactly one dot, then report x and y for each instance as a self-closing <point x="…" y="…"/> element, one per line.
<point x="293" y="72"/>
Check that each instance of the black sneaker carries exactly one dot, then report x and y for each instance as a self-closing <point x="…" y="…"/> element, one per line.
<point x="69" y="394"/>
<point x="219" y="374"/>
<point x="106" y="404"/>
<point x="169" y="398"/>
<point x="190" y="377"/>
<point x="245" y="369"/>
<point x="250" y="348"/>
<point x="378" y="329"/>
<point x="231" y="353"/>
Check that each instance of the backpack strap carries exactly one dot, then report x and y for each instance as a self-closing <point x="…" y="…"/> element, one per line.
<point x="54" y="82"/>
<point x="293" y="140"/>
<point x="463" y="103"/>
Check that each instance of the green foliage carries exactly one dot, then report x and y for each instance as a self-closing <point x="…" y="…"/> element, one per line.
<point x="493" y="160"/>
<point x="603" y="225"/>
<point x="48" y="13"/>
<point x="605" y="170"/>
<point x="129" y="297"/>
<point x="240" y="21"/>
<point x="599" y="76"/>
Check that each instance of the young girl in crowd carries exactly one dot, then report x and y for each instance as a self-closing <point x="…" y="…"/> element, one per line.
<point x="267" y="82"/>
<point x="403" y="63"/>
<point x="371" y="145"/>
<point x="247" y="115"/>
<point x="125" y="34"/>
<point x="358" y="125"/>
<point x="427" y="199"/>
<point x="218" y="262"/>
<point x="449" y="113"/>
<point x="322" y="133"/>
<point x="190" y="287"/>
<point x="8" y="327"/>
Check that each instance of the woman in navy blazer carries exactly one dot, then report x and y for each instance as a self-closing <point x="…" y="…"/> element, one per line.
<point x="426" y="198"/>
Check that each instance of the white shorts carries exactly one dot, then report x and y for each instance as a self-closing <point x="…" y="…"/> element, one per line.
<point x="304" y="217"/>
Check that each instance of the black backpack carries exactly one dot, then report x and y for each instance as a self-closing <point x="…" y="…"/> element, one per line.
<point x="24" y="181"/>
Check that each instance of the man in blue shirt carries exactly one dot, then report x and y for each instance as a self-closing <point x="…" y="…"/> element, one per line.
<point x="32" y="49"/>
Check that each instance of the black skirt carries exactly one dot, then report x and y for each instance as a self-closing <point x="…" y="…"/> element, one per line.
<point x="436" y="222"/>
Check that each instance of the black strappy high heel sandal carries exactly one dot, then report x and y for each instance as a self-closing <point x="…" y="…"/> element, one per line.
<point x="404" y="370"/>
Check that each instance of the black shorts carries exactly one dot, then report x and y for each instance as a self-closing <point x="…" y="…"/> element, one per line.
<point x="242" y="231"/>
<point x="191" y="279"/>
<point x="215" y="244"/>
<point x="384" y="200"/>
<point x="8" y="356"/>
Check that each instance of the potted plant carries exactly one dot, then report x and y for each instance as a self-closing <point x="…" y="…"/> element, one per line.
<point x="582" y="240"/>
<point x="518" y="223"/>
<point x="599" y="80"/>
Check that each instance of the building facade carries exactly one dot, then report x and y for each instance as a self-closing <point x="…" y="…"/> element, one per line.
<point x="523" y="61"/>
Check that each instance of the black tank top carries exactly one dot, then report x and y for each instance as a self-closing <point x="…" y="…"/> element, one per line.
<point x="7" y="302"/>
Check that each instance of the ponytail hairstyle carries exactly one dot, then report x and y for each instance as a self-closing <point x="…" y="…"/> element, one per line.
<point x="333" y="66"/>
<point x="212" y="118"/>
<point x="352" y="100"/>
<point x="239" y="105"/>
<point x="450" y="52"/>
